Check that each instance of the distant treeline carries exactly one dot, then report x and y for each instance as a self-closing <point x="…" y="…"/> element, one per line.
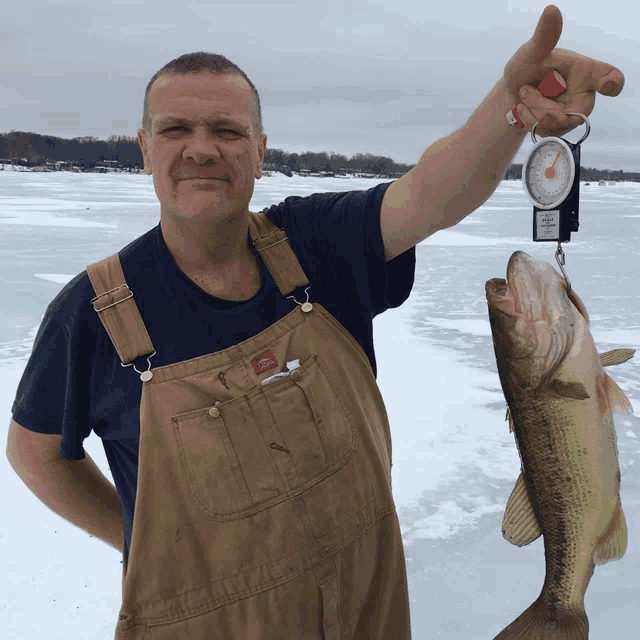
<point x="122" y="153"/>
<point x="333" y="163"/>
<point x="84" y="154"/>
<point x="587" y="174"/>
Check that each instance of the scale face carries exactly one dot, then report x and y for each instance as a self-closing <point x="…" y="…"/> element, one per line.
<point x="548" y="173"/>
<point x="551" y="181"/>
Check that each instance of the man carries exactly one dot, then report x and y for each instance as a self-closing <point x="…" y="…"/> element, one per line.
<point x="229" y="366"/>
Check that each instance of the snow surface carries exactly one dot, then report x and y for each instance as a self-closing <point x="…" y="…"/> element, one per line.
<point x="454" y="461"/>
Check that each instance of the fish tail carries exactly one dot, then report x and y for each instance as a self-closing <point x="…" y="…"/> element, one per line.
<point x="540" y="622"/>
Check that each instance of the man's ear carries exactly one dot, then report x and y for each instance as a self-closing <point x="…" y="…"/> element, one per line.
<point x="262" y="147"/>
<point x="144" y="148"/>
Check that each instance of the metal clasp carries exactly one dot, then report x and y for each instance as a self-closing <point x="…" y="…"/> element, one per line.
<point x="122" y="286"/>
<point x="145" y="376"/>
<point x="306" y="306"/>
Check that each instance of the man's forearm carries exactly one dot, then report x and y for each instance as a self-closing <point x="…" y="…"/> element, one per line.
<point x="462" y="170"/>
<point x="78" y="492"/>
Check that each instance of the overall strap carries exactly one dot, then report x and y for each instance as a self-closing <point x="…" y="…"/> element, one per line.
<point x="119" y="314"/>
<point x="272" y="244"/>
<point x="117" y="310"/>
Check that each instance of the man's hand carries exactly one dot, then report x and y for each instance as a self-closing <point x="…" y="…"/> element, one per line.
<point x="584" y="76"/>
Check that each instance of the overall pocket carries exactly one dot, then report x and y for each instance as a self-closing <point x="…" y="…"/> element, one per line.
<point x="245" y="455"/>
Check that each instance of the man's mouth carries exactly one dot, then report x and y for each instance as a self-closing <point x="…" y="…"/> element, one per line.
<point x="203" y="178"/>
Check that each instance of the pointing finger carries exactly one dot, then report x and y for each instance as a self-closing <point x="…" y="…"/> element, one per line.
<point x="612" y="83"/>
<point x="586" y="74"/>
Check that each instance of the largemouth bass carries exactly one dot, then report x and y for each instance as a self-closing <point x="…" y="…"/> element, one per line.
<point x="560" y="403"/>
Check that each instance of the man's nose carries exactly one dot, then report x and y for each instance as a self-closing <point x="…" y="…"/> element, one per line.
<point x="201" y="146"/>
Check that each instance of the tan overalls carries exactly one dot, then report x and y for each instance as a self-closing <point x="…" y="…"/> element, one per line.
<point x="262" y="511"/>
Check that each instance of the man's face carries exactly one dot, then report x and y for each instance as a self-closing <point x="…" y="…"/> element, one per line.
<point x="202" y="149"/>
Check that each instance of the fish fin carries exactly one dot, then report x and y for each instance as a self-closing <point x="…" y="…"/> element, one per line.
<point x="510" y="419"/>
<point x="520" y="525"/>
<point x="618" y="401"/>
<point x="616" y="356"/>
<point x="613" y="542"/>
<point x="540" y="621"/>
<point x="575" y="390"/>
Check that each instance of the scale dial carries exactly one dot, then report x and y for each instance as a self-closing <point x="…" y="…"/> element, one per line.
<point x="548" y="173"/>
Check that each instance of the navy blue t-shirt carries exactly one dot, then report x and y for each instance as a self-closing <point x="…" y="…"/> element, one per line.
<point x="74" y="382"/>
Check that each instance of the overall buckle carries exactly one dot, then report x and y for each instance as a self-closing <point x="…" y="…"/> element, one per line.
<point x="122" y="286"/>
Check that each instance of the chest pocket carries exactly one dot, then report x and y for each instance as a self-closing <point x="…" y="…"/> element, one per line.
<point x="257" y="450"/>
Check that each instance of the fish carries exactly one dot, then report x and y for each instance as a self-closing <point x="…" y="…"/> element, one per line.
<point x="560" y="409"/>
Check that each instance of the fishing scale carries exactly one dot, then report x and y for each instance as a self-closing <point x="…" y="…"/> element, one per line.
<point x="551" y="180"/>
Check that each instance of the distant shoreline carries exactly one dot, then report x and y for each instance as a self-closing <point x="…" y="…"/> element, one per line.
<point x="39" y="152"/>
<point x="601" y="181"/>
<point x="26" y="168"/>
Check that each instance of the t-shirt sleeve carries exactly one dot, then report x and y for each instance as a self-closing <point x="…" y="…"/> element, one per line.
<point x="52" y="395"/>
<point x="342" y="230"/>
<point x="393" y="280"/>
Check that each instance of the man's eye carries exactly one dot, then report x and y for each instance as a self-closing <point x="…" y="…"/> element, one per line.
<point x="226" y="132"/>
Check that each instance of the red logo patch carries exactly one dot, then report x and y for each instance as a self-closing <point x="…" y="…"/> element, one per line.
<point x="264" y="363"/>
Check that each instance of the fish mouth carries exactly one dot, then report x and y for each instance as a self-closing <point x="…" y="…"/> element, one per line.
<point x="523" y="279"/>
<point x="500" y="297"/>
<point x="496" y="287"/>
<point x="522" y="276"/>
<point x="504" y="294"/>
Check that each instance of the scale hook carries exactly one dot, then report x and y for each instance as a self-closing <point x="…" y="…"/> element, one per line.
<point x="560" y="259"/>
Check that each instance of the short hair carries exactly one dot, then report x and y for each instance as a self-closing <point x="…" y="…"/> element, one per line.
<point x="191" y="63"/>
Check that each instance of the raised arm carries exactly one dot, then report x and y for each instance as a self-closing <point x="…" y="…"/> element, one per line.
<point x="459" y="173"/>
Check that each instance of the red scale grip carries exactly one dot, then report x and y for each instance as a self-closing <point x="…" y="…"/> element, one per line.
<point x="551" y="86"/>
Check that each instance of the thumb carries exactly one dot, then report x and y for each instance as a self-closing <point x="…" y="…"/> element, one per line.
<point x="546" y="35"/>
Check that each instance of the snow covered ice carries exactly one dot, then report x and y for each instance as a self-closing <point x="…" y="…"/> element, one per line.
<point x="454" y="460"/>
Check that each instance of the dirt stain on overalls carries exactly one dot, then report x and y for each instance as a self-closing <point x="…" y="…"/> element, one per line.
<point x="262" y="511"/>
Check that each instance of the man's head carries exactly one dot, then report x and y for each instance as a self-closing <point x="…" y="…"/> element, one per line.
<point x="198" y="62"/>
<point x="202" y="137"/>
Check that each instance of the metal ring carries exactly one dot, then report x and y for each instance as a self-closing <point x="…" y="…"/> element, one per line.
<point x="568" y="113"/>
<point x="131" y="364"/>
<point x="301" y="303"/>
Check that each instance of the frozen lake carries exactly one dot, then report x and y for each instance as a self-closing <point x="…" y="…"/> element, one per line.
<point x="454" y="460"/>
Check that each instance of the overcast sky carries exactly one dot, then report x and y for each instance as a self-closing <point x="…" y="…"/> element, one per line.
<point x="388" y="77"/>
